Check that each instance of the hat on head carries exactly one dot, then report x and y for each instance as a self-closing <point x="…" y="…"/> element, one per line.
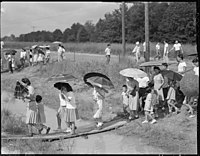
<point x="137" y="42"/>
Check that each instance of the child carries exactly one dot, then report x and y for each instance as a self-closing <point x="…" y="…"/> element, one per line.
<point x="125" y="99"/>
<point x="196" y="66"/>
<point x="41" y="119"/>
<point x="107" y="51"/>
<point x="171" y="97"/>
<point x="98" y="96"/>
<point x="149" y="105"/>
<point x="71" y="111"/>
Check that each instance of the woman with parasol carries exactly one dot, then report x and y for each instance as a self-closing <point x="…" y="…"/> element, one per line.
<point x="133" y="88"/>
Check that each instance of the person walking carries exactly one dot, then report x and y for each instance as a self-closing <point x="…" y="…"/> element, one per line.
<point x="62" y="109"/>
<point x="181" y="64"/>
<point x="166" y="52"/>
<point x="23" y="57"/>
<point x="136" y="50"/>
<point x="71" y="110"/>
<point x="158" y="55"/>
<point x="108" y="52"/>
<point x="150" y="102"/>
<point x="158" y="82"/>
<point x="10" y="60"/>
<point x="125" y="100"/>
<point x="98" y="97"/>
<point x="177" y="48"/>
<point x="41" y="118"/>
<point x="47" y="55"/>
<point x="61" y="51"/>
<point x="31" y="110"/>
<point x="133" y="88"/>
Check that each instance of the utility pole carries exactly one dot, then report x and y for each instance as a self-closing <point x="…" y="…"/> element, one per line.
<point x="123" y="31"/>
<point x="147" y="54"/>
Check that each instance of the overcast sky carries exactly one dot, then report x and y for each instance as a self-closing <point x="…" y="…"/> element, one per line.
<point x="20" y="17"/>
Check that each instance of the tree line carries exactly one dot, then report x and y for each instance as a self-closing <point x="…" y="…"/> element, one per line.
<point x="167" y="21"/>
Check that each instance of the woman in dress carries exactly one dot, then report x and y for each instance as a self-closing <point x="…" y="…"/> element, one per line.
<point x="31" y="114"/>
<point x="71" y="110"/>
<point x="99" y="96"/>
<point x="133" y="88"/>
<point x="158" y="82"/>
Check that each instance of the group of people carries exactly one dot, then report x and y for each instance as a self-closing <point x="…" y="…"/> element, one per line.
<point x="176" y="47"/>
<point x="148" y="94"/>
<point x="33" y="56"/>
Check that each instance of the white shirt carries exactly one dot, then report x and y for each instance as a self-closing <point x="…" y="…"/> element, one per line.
<point x="196" y="70"/>
<point x="125" y="98"/>
<point x="62" y="100"/>
<point x="136" y="49"/>
<point x="107" y="51"/>
<point x="166" y="50"/>
<point x="158" y="46"/>
<point x="177" y="46"/>
<point x="61" y="50"/>
<point x="48" y="51"/>
<point x="144" y="47"/>
<point x="181" y="66"/>
<point x="23" y="54"/>
<point x="143" y="82"/>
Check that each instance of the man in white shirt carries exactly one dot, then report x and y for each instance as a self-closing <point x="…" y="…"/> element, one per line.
<point x="60" y="52"/>
<point x="157" y="51"/>
<point x="136" y="50"/>
<point x="107" y="51"/>
<point x="177" y="48"/>
<point x="166" y="51"/>
<point x="2" y="44"/>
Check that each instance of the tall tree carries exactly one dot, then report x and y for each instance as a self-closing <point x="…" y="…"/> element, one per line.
<point x="57" y="35"/>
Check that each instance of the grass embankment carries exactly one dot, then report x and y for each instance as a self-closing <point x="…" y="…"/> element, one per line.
<point x="12" y="124"/>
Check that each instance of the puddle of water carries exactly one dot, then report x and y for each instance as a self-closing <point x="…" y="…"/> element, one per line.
<point x="104" y="143"/>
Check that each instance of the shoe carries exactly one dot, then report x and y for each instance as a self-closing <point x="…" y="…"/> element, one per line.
<point x="136" y="117"/>
<point x="99" y="124"/>
<point x="40" y="131"/>
<point x="191" y="116"/>
<point x="58" y="130"/>
<point x="68" y="130"/>
<point x="30" y="135"/>
<point x="48" y="129"/>
<point x="145" y="121"/>
<point x="153" y="121"/>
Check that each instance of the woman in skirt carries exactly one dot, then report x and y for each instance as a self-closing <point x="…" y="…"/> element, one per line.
<point x="71" y="110"/>
<point x="133" y="88"/>
<point x="31" y="114"/>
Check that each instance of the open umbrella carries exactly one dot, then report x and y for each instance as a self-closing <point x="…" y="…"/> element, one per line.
<point x="156" y="63"/>
<point x="133" y="72"/>
<point x="171" y="75"/>
<point x="194" y="54"/>
<point x="10" y="52"/>
<point x="26" y="48"/>
<point x="40" y="51"/>
<point x="98" y="79"/>
<point x="44" y="46"/>
<point x="61" y="77"/>
<point x="34" y="46"/>
<point x="59" y="85"/>
<point x="57" y="42"/>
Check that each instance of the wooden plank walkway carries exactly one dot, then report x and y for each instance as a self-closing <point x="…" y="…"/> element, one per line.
<point x="81" y="131"/>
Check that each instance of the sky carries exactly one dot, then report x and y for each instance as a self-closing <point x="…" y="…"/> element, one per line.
<point x="24" y="17"/>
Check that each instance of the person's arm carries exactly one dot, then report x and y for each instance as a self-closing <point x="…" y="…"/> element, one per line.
<point x="162" y="81"/>
<point x="181" y="49"/>
<point x="172" y="48"/>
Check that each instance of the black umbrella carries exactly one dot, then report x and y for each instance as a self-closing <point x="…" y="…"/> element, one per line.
<point x="20" y="90"/>
<point x="98" y="79"/>
<point x="10" y="52"/>
<point x="40" y="51"/>
<point x="171" y="75"/>
<point x="61" y="77"/>
<point x="59" y="85"/>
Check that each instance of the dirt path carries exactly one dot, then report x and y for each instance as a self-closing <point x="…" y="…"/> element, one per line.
<point x="18" y="107"/>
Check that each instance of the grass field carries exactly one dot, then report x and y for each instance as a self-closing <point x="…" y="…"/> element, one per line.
<point x="163" y="135"/>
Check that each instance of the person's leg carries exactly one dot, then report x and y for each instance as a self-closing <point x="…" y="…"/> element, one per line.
<point x="10" y="66"/>
<point x="30" y="130"/>
<point x="58" y="120"/>
<point x="73" y="127"/>
<point x="146" y="117"/>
